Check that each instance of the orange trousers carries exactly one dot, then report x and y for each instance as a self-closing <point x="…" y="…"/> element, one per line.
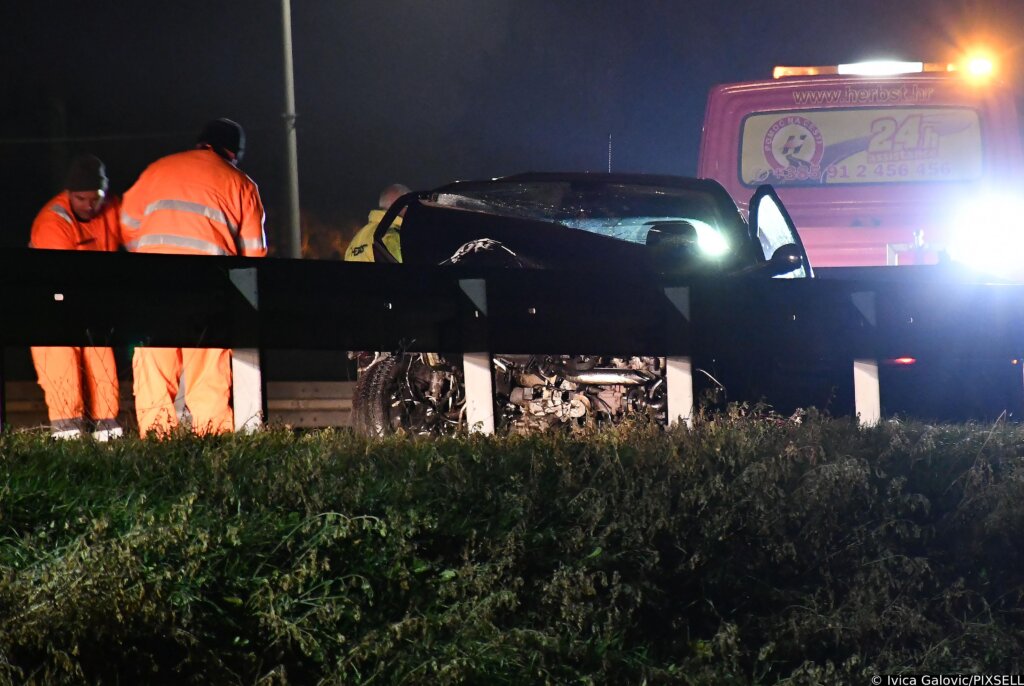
<point x="207" y="376"/>
<point x="64" y="373"/>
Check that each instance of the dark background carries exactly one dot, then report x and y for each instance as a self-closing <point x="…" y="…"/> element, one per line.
<point x="422" y="92"/>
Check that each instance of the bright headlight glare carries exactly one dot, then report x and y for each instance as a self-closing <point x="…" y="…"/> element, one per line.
<point x="710" y="241"/>
<point x="988" y="236"/>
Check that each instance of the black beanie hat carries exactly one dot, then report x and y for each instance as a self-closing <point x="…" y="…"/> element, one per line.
<point x="224" y="135"/>
<point x="86" y="173"/>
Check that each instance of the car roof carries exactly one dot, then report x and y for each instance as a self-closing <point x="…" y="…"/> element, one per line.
<point x="681" y="182"/>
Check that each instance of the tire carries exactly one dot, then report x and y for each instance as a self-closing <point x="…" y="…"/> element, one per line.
<point x="404" y="392"/>
<point x="368" y="416"/>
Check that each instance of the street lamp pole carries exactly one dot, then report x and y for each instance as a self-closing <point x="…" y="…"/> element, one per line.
<point x="291" y="145"/>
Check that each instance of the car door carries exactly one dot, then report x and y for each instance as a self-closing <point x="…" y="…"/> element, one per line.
<point x="775" y="230"/>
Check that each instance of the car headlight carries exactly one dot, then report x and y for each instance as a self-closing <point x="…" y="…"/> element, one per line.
<point x="988" y="236"/>
<point x="709" y="240"/>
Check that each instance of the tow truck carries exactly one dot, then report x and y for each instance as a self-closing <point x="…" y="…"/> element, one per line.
<point x="879" y="163"/>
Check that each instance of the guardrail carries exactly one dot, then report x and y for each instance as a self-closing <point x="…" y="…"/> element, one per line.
<point x="250" y="305"/>
<point x="293" y="404"/>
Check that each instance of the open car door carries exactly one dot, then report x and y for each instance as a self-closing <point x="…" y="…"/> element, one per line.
<point x="778" y="236"/>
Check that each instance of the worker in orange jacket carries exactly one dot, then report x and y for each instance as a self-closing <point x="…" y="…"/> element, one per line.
<point x="79" y="383"/>
<point x="195" y="202"/>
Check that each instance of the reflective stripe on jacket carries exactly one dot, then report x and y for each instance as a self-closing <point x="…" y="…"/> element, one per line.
<point x="57" y="228"/>
<point x="194" y="203"/>
<point x="360" y="248"/>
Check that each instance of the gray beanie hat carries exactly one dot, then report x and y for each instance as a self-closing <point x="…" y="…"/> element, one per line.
<point x="86" y="173"/>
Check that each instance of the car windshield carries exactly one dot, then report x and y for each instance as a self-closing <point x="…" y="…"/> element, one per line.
<point x="618" y="210"/>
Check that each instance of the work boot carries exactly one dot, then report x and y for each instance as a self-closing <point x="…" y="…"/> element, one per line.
<point x="66" y="429"/>
<point x="104" y="435"/>
<point x="107" y="429"/>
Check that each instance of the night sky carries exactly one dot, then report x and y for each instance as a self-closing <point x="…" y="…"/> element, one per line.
<point x="420" y="92"/>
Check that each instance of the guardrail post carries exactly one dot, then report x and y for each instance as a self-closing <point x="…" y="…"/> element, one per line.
<point x="476" y="369"/>
<point x="679" y="369"/>
<point x="679" y="386"/>
<point x="247" y="389"/>
<point x="476" y="366"/>
<point x="867" y="398"/>
<point x="246" y="376"/>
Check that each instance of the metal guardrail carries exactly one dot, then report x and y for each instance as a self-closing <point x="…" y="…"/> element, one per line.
<point x="292" y="404"/>
<point x="81" y="298"/>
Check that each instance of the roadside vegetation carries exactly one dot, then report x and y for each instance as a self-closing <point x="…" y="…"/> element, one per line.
<point x="749" y="550"/>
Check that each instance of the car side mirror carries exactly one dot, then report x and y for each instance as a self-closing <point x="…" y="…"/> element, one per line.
<point x="785" y="259"/>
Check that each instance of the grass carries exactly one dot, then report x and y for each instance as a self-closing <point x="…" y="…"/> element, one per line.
<point x="749" y="550"/>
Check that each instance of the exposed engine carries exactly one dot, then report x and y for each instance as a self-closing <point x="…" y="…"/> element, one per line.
<point x="424" y="393"/>
<point x="541" y="391"/>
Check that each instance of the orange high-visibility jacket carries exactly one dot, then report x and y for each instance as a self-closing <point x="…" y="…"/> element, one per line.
<point x="194" y="203"/>
<point x="77" y="381"/>
<point x="57" y="228"/>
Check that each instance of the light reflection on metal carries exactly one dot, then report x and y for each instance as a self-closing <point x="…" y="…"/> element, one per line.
<point x="291" y="144"/>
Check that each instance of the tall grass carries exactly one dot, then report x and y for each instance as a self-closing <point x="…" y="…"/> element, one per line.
<point x="749" y="550"/>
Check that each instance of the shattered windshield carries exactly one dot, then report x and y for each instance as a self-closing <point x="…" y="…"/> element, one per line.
<point x="617" y="210"/>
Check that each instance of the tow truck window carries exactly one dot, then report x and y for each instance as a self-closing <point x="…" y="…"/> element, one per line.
<point x="875" y="145"/>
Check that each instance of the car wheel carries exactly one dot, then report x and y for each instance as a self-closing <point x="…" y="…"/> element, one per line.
<point x="418" y="393"/>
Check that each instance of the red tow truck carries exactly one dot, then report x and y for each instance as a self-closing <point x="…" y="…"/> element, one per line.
<point x="879" y="163"/>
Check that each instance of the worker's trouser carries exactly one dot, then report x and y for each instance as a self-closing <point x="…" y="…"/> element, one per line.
<point x="62" y="373"/>
<point x="207" y="373"/>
